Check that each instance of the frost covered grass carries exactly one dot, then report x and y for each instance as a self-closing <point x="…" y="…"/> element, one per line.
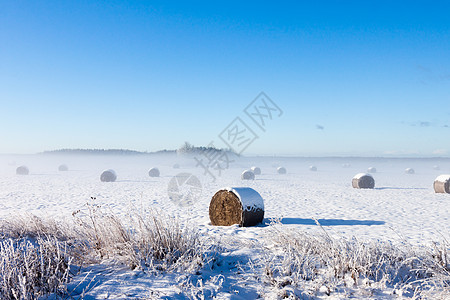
<point x="36" y="254"/>
<point x="40" y="257"/>
<point x="304" y="265"/>
<point x="31" y="268"/>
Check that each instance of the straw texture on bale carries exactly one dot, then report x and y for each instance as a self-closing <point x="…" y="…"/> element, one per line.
<point x="247" y="175"/>
<point x="256" y="170"/>
<point x="313" y="168"/>
<point x="108" y="176"/>
<point x="442" y="184"/>
<point x="243" y="206"/>
<point x="372" y="170"/>
<point x="22" y="170"/>
<point x="409" y="171"/>
<point x="281" y="170"/>
<point x="63" y="168"/>
<point x="363" y="181"/>
<point x="153" y="172"/>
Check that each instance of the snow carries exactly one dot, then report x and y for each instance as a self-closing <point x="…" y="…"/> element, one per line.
<point x="250" y="199"/>
<point x="443" y="178"/>
<point x="360" y="175"/>
<point x="401" y="209"/>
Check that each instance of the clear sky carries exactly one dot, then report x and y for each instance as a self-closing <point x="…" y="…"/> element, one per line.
<point x="351" y="77"/>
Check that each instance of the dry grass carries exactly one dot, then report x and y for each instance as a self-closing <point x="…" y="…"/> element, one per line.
<point x="301" y="265"/>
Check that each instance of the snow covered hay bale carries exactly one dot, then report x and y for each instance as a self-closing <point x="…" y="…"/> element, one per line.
<point x="372" y="170"/>
<point x="108" y="176"/>
<point x="409" y="171"/>
<point x="243" y="206"/>
<point x="313" y="168"/>
<point x="442" y="184"/>
<point x="153" y="172"/>
<point x="248" y="175"/>
<point x="63" y="168"/>
<point x="281" y="170"/>
<point x="363" y="181"/>
<point x="256" y="170"/>
<point x="22" y="170"/>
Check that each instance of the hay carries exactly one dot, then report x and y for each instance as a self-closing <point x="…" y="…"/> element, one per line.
<point x="256" y="170"/>
<point x="442" y="184"/>
<point x="409" y="171"/>
<point x="153" y="172"/>
<point x="22" y="170"/>
<point x="372" y="170"/>
<point x="363" y="181"/>
<point x="108" y="176"/>
<point x="313" y="168"/>
<point x="248" y="175"/>
<point x="243" y="206"/>
<point x="63" y="168"/>
<point x="281" y="170"/>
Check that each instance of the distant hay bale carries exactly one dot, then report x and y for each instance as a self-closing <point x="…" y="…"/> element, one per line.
<point x="281" y="170"/>
<point x="409" y="171"/>
<point x="108" y="176"/>
<point x="363" y="181"/>
<point x="248" y="175"/>
<point x="153" y="172"/>
<point x="256" y="170"/>
<point x="442" y="184"/>
<point x="22" y="170"/>
<point x="372" y="170"/>
<point x="313" y="168"/>
<point x="176" y="166"/>
<point x="63" y="168"/>
<point x="243" y="206"/>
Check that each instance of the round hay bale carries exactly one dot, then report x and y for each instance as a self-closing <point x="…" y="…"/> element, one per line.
<point x="153" y="172"/>
<point x="243" y="206"/>
<point x="363" y="181"/>
<point x="176" y="166"/>
<point x="63" y="168"/>
<point x="256" y="170"/>
<point x="22" y="170"/>
<point x="313" y="168"/>
<point x="281" y="170"/>
<point x="372" y="170"/>
<point x="248" y="175"/>
<point x="409" y="171"/>
<point x="442" y="184"/>
<point x="108" y="176"/>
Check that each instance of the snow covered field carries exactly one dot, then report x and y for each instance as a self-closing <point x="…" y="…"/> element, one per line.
<point x="402" y="209"/>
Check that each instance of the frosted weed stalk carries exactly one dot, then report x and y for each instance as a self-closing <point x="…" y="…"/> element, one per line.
<point x="31" y="268"/>
<point x="310" y="265"/>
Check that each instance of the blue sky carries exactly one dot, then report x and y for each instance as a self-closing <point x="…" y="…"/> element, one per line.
<point x="352" y="78"/>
